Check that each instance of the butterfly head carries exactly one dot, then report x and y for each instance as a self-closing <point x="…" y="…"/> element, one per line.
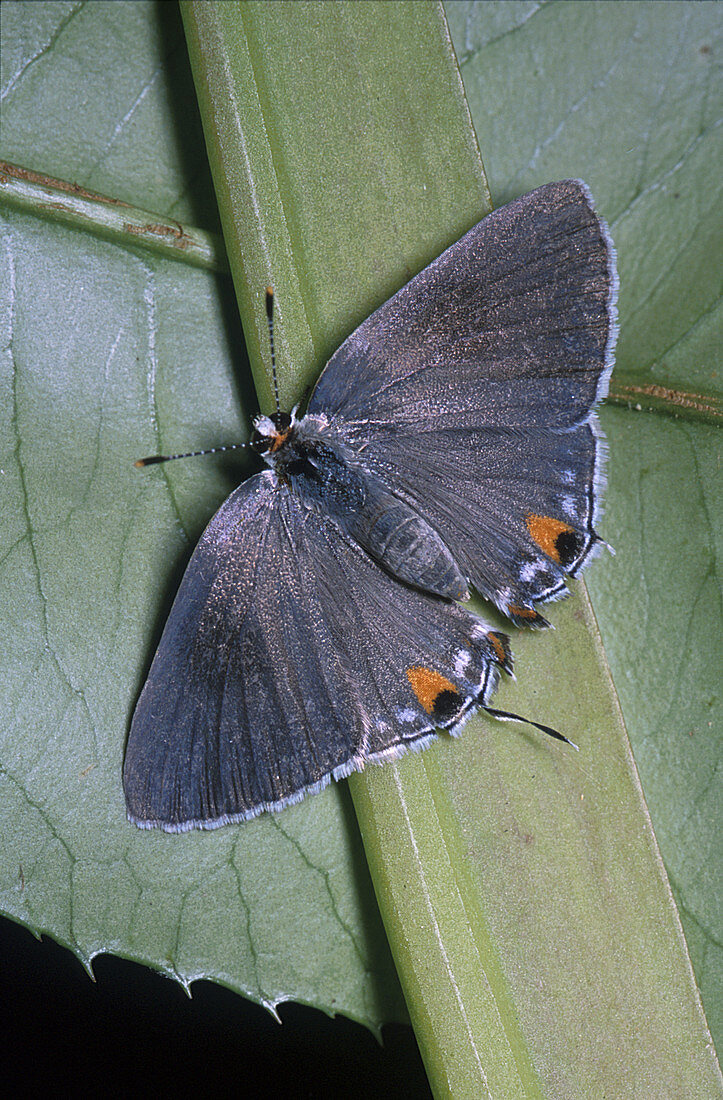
<point x="271" y="432"/>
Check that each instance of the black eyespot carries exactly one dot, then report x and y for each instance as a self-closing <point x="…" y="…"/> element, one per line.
<point x="447" y="706"/>
<point x="569" y="546"/>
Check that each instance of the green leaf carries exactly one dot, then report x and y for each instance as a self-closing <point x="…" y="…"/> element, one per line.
<point x="627" y="97"/>
<point x="99" y="94"/>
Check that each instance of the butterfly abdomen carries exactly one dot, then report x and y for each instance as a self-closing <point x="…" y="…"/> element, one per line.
<point x="406" y="545"/>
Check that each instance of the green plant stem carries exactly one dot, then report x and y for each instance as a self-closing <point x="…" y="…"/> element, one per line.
<point x="112" y="219"/>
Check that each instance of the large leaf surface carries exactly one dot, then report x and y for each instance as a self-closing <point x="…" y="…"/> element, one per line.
<point x="79" y="668"/>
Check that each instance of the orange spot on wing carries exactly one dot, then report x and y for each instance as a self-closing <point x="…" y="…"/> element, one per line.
<point x="428" y="685"/>
<point x="498" y="647"/>
<point x="545" y="531"/>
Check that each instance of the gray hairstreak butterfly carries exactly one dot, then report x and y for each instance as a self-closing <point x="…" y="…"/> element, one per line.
<point x="451" y="442"/>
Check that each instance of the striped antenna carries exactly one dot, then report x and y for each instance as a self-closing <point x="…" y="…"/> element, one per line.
<point x="270" y="319"/>
<point x="153" y="460"/>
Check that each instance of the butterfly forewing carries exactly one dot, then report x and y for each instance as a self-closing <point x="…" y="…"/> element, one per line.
<point x="510" y="327"/>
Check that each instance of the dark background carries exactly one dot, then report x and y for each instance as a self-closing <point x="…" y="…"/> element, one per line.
<point x="135" y="1030"/>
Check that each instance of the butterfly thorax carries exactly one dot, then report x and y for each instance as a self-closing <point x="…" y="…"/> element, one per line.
<point x="310" y="458"/>
<point x="311" y="461"/>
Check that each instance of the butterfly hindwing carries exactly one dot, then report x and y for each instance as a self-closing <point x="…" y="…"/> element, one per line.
<point x="515" y="510"/>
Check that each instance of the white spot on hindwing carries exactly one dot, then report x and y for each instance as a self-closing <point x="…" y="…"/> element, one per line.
<point x="529" y="571"/>
<point x="407" y="715"/>
<point x="462" y="659"/>
<point x="569" y="506"/>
